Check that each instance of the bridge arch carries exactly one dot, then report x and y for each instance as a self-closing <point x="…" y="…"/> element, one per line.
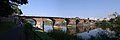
<point x="47" y="26"/>
<point x="32" y="21"/>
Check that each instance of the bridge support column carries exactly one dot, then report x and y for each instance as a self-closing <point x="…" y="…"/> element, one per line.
<point x="77" y="28"/>
<point x="53" y="25"/>
<point x="67" y="27"/>
<point x="67" y="22"/>
<point x="43" y="25"/>
<point x="71" y="25"/>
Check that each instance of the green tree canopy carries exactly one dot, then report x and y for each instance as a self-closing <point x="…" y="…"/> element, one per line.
<point x="10" y="7"/>
<point x="112" y="24"/>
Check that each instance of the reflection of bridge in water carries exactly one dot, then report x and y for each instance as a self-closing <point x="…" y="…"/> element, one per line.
<point x="73" y="25"/>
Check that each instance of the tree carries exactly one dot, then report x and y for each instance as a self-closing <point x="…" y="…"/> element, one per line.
<point x="76" y="17"/>
<point x="112" y="24"/>
<point x="10" y="7"/>
<point x="103" y="24"/>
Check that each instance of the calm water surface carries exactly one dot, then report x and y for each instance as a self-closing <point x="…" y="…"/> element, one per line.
<point x="84" y="35"/>
<point x="49" y="27"/>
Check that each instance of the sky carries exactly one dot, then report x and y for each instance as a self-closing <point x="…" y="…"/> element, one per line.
<point x="71" y="8"/>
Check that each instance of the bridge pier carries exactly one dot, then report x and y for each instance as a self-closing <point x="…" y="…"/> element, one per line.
<point x="71" y="25"/>
<point x="77" y="29"/>
<point x="67" y="22"/>
<point x="53" y="25"/>
<point x="43" y="25"/>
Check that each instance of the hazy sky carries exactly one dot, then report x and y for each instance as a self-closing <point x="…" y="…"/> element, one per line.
<point x="71" y="8"/>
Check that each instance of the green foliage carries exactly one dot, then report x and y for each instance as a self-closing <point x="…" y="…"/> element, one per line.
<point x="32" y="34"/>
<point x="28" y="31"/>
<point x="9" y="7"/>
<point x="76" y="17"/>
<point x="116" y="29"/>
<point x="117" y="20"/>
<point x="103" y="24"/>
<point x="21" y="2"/>
<point x="4" y="26"/>
<point x="47" y="22"/>
<point x="112" y="24"/>
<point x="42" y="35"/>
<point x="60" y="35"/>
<point x="63" y="23"/>
<point x="5" y="8"/>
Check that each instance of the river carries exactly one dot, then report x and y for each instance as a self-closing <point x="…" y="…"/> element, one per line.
<point x="84" y="35"/>
<point x="88" y="34"/>
<point x="49" y="27"/>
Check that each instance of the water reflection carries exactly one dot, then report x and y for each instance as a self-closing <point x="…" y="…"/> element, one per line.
<point x="88" y="34"/>
<point x="64" y="28"/>
<point x="49" y="27"/>
<point x="83" y="35"/>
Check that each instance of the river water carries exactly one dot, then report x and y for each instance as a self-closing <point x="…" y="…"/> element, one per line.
<point x="49" y="27"/>
<point x="84" y="35"/>
<point x="88" y="34"/>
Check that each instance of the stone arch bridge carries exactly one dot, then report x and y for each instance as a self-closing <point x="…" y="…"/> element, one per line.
<point x="76" y="22"/>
